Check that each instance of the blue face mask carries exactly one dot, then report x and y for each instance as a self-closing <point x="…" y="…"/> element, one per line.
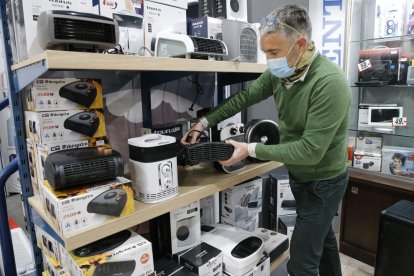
<point x="279" y="67"/>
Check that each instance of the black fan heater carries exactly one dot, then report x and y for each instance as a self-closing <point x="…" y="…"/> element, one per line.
<point x="77" y="167"/>
<point x="208" y="151"/>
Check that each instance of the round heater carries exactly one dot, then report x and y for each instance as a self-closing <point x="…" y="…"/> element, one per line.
<point x="153" y="167"/>
<point x="261" y="131"/>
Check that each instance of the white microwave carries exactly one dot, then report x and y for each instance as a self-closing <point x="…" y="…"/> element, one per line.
<point x="382" y="115"/>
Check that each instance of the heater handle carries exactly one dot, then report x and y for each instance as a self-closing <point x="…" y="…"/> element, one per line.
<point x="152" y="137"/>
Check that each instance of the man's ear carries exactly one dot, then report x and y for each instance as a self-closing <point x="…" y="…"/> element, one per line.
<point x="303" y="43"/>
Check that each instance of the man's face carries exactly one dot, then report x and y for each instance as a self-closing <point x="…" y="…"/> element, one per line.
<point x="276" y="45"/>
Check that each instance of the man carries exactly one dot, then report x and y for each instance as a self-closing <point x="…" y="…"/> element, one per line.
<point x="313" y="99"/>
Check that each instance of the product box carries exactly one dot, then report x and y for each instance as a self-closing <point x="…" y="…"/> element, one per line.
<point x="368" y="143"/>
<point x="132" y="7"/>
<point x="398" y="161"/>
<point x="367" y="160"/>
<point x="286" y="204"/>
<point x="262" y="268"/>
<point x="230" y="10"/>
<point x="242" y="201"/>
<point x="53" y="267"/>
<point x="168" y="267"/>
<point x="249" y="224"/>
<point x="159" y="17"/>
<point x="63" y="94"/>
<point x="49" y="245"/>
<point x="123" y="253"/>
<point x="131" y="33"/>
<point x="73" y="210"/>
<point x="63" y="126"/>
<point x="207" y="210"/>
<point x="389" y="18"/>
<point x="24" y="22"/>
<point x="208" y="27"/>
<point x="286" y="225"/>
<point x="203" y="259"/>
<point x="205" y="8"/>
<point x="176" y="231"/>
<point x="32" y="157"/>
<point x="43" y="150"/>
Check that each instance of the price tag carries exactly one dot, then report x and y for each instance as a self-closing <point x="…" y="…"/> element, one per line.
<point x="366" y="64"/>
<point x="399" y="121"/>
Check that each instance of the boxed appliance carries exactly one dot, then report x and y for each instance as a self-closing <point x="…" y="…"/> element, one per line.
<point x="242" y="201"/>
<point x="159" y="17"/>
<point x="123" y="253"/>
<point x="368" y="142"/>
<point x="63" y="94"/>
<point x="286" y="204"/>
<point x="153" y="167"/>
<point x="398" y="161"/>
<point x="168" y="267"/>
<point x="378" y="115"/>
<point x="286" y="225"/>
<point x="206" y="8"/>
<point x="63" y="126"/>
<point x="367" y="160"/>
<point x="132" y="7"/>
<point x="131" y="33"/>
<point x="76" y="209"/>
<point x="242" y="250"/>
<point x="207" y="210"/>
<point x="208" y="27"/>
<point x="32" y="157"/>
<point x="43" y="150"/>
<point x="48" y="244"/>
<point x="24" y="17"/>
<point x="177" y="230"/>
<point x="275" y="244"/>
<point x="389" y="18"/>
<point x="249" y="224"/>
<point x="203" y="259"/>
<point x="53" y="267"/>
<point x="182" y="4"/>
<point x="230" y="9"/>
<point x="262" y="268"/>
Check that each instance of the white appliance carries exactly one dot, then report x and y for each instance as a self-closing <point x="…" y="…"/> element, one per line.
<point x="176" y="45"/>
<point x="131" y="33"/>
<point x="275" y="244"/>
<point x="237" y="10"/>
<point x="241" y="39"/>
<point x="242" y="250"/>
<point x="186" y="232"/>
<point x="261" y="56"/>
<point x="153" y="167"/>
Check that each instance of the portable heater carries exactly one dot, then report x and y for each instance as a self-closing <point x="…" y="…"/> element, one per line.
<point x="69" y="30"/>
<point x="81" y="92"/>
<point x="153" y="167"/>
<point x="180" y="45"/>
<point x="261" y="131"/>
<point x="76" y="167"/>
<point x="241" y="39"/>
<point x="242" y="250"/>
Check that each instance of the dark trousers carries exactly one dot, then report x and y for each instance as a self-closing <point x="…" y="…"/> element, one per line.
<point x="313" y="247"/>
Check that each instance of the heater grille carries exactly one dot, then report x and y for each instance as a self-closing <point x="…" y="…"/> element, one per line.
<point x="203" y="45"/>
<point x="213" y="151"/>
<point x="74" y="29"/>
<point x="158" y="196"/>
<point x="83" y="172"/>
<point x="248" y="45"/>
<point x="247" y="247"/>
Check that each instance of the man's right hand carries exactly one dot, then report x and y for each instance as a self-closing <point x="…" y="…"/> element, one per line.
<point x="193" y="134"/>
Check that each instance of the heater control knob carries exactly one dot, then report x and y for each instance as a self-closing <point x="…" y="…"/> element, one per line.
<point x="84" y="117"/>
<point x="166" y="169"/>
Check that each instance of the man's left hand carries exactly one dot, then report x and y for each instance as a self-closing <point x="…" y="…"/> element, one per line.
<point x="240" y="153"/>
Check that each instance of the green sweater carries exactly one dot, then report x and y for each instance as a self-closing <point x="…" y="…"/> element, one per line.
<point x="313" y="120"/>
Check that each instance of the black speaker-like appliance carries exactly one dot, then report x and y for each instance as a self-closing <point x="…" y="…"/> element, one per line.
<point x="261" y="131"/>
<point x="395" y="253"/>
<point x="76" y="167"/>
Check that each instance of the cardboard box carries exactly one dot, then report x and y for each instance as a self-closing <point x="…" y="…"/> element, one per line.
<point x="62" y="126"/>
<point x="53" y="267"/>
<point x="207" y="210"/>
<point x="242" y="201"/>
<point x="48" y="244"/>
<point x="63" y="94"/>
<point x="25" y="14"/>
<point x="249" y="224"/>
<point x="76" y="209"/>
<point x="208" y="27"/>
<point x="32" y="157"/>
<point x="368" y="143"/>
<point x="286" y="225"/>
<point x="159" y="17"/>
<point x="43" y="150"/>
<point x="183" y="4"/>
<point x="367" y="160"/>
<point x="123" y="253"/>
<point x="286" y="204"/>
<point x="203" y="259"/>
<point x="132" y="7"/>
<point x="398" y="161"/>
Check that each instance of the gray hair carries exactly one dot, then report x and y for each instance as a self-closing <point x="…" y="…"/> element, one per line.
<point x="293" y="20"/>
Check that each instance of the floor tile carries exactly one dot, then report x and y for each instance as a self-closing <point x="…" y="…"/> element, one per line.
<point x="355" y="271"/>
<point x="362" y="266"/>
<point x="344" y="259"/>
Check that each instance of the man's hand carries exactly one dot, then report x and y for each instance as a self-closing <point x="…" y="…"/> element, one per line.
<point x="193" y="134"/>
<point x="240" y="153"/>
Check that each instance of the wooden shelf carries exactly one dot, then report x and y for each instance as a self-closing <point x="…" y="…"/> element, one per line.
<point x="276" y="263"/>
<point x="65" y="60"/>
<point x="195" y="182"/>
<point x="377" y="178"/>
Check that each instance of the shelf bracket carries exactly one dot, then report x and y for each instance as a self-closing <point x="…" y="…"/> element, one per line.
<point x="26" y="75"/>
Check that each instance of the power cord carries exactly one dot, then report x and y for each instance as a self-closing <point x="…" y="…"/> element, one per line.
<point x="199" y="88"/>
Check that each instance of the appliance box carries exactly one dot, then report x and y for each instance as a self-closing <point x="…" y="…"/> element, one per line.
<point x="123" y="253"/>
<point x="74" y="210"/>
<point x="230" y="9"/>
<point x="25" y="14"/>
<point x="49" y="245"/>
<point x="159" y="17"/>
<point x="132" y="7"/>
<point x="183" y="4"/>
<point x="286" y="204"/>
<point x="286" y="225"/>
<point x="242" y="201"/>
<point x="33" y="170"/>
<point x="131" y="33"/>
<point x="63" y="94"/>
<point x="367" y="160"/>
<point x="398" y="161"/>
<point x="64" y="126"/>
<point x="207" y="27"/>
<point x="52" y="266"/>
<point x="368" y="142"/>
<point x="203" y="259"/>
<point x="249" y="224"/>
<point x="384" y="65"/>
